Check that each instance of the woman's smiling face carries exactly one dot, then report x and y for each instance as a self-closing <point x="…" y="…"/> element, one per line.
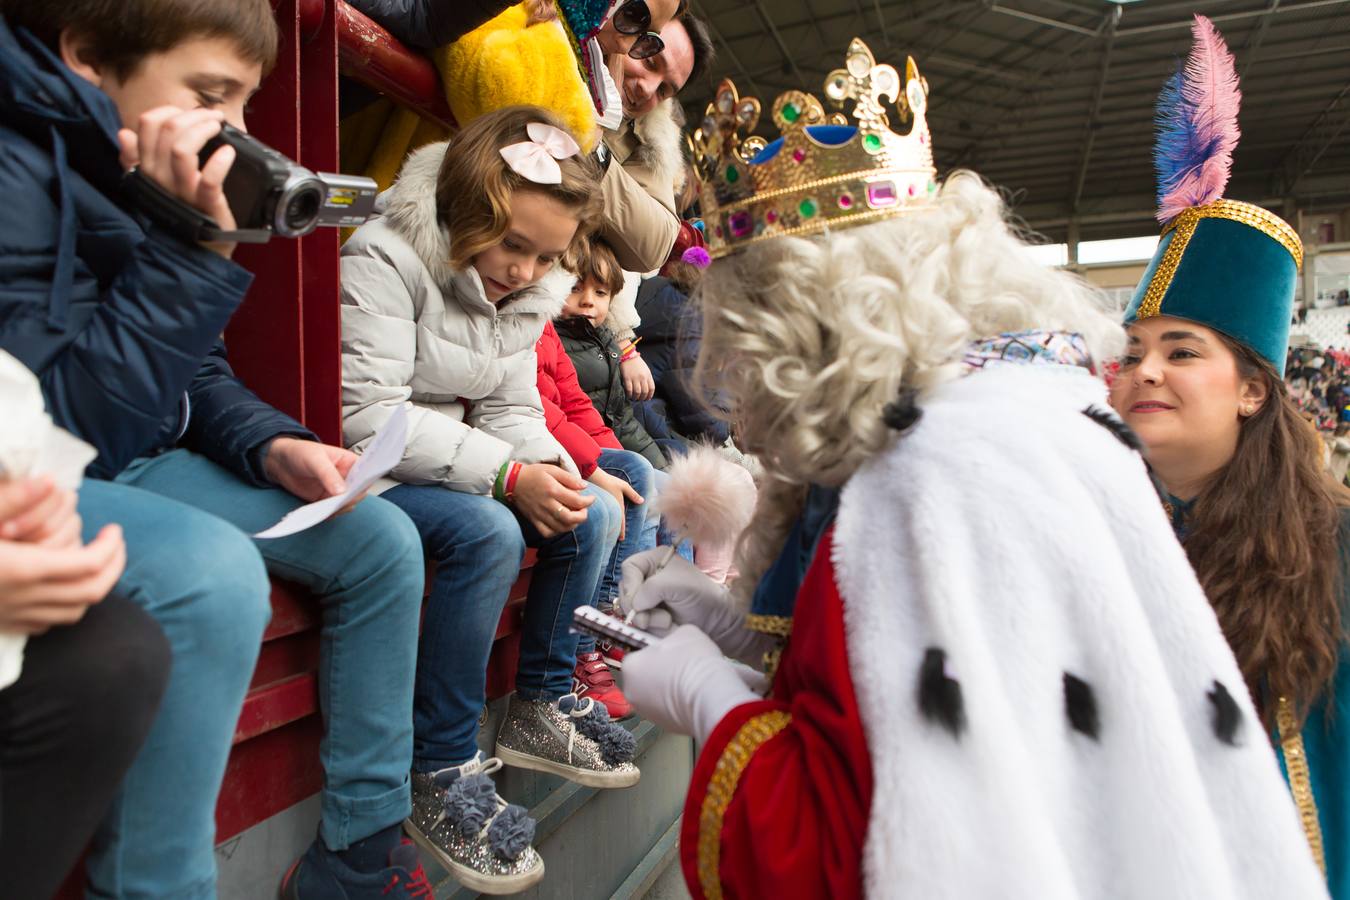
<point x="1180" y="387"/>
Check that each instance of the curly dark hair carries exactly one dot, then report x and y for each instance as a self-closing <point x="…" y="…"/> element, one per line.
<point x="1264" y="541"/>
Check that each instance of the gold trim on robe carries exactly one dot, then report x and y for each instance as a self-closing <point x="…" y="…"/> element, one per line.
<point x="722" y="786"/>
<point x="1300" y="778"/>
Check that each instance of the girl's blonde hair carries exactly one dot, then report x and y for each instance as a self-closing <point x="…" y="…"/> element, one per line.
<point x="474" y="185"/>
<point x="811" y="337"/>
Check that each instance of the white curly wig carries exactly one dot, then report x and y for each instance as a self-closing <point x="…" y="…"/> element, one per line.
<point x="809" y="338"/>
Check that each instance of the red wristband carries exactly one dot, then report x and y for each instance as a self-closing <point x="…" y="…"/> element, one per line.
<point x="511" y="479"/>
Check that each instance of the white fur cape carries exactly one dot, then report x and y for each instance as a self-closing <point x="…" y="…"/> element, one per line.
<point x="1024" y="540"/>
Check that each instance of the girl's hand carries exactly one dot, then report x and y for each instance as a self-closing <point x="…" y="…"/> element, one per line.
<point x="550" y="498"/>
<point x="620" y="490"/>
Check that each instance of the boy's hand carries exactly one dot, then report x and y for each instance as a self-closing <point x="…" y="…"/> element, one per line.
<point x="620" y="490"/>
<point x="45" y="586"/>
<point x="550" y="498"/>
<point x="637" y="379"/>
<point x="166" y="144"/>
<point x="36" y="511"/>
<point x="308" y="469"/>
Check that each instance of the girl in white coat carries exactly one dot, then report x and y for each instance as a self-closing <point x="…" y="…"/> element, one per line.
<point x="444" y="295"/>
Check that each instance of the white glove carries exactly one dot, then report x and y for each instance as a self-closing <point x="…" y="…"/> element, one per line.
<point x="684" y="684"/>
<point x="661" y="589"/>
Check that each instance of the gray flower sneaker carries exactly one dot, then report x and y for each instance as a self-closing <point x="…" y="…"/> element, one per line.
<point x="572" y="738"/>
<point x="479" y="838"/>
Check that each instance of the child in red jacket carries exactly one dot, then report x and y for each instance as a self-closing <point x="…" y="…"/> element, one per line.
<point x="626" y="475"/>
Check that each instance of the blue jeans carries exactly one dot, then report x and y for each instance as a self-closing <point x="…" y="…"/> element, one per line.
<point x="639" y="528"/>
<point x="195" y="570"/>
<point x="477" y="544"/>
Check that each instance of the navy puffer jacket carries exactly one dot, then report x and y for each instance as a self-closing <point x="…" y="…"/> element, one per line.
<point x="120" y="321"/>
<point x="671" y="331"/>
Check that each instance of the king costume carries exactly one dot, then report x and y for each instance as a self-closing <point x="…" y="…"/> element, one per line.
<point x="979" y="690"/>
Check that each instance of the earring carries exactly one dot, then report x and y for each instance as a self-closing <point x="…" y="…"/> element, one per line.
<point x="1248" y="409"/>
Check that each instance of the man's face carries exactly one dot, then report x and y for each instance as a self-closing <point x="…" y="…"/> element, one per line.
<point x="199" y="73"/>
<point x="646" y="82"/>
<point x="613" y="43"/>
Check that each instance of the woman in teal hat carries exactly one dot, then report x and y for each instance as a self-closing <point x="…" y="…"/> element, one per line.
<point x="1265" y="527"/>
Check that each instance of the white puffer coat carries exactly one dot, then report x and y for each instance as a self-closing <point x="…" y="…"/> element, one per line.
<point x="413" y="329"/>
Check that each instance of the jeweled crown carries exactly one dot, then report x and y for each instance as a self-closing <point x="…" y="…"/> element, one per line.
<point x="825" y="171"/>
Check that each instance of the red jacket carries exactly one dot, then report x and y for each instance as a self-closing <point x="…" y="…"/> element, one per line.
<point x="570" y="415"/>
<point x="792" y="791"/>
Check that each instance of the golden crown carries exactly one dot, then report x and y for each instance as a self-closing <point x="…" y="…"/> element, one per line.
<point x="817" y="178"/>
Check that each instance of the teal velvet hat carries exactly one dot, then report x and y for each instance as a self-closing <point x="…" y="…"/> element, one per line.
<point x="1228" y="265"/>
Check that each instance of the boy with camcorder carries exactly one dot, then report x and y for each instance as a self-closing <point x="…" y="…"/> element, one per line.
<point x="118" y="311"/>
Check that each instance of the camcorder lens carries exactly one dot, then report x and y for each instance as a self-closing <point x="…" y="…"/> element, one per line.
<point x="302" y="210"/>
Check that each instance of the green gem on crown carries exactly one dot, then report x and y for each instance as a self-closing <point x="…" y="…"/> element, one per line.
<point x="791" y="112"/>
<point x="807" y="208"/>
<point x="872" y="142"/>
<point x="732" y="175"/>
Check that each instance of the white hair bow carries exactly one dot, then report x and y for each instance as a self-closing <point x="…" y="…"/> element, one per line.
<point x="537" y="158"/>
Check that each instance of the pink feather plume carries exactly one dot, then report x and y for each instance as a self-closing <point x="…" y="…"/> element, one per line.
<point x="1195" y="168"/>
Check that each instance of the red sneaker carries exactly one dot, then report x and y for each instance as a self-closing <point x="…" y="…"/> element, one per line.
<point x="612" y="653"/>
<point x="592" y="678"/>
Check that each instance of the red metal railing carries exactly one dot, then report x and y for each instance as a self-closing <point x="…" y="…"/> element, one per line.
<point x="375" y="58"/>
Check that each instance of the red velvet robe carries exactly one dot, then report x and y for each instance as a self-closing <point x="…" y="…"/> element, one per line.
<point x="797" y="815"/>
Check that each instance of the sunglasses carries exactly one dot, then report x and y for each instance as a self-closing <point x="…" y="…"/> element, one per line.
<point x="635" y="18"/>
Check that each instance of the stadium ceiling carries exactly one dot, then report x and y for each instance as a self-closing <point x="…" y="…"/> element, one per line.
<point x="1053" y="99"/>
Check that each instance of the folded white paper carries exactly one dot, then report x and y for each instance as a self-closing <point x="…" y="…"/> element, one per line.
<point x="380" y="456"/>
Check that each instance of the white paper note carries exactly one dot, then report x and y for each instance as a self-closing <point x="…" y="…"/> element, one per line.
<point x="381" y="455"/>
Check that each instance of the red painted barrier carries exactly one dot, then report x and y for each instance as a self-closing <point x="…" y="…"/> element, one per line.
<point x="375" y="58"/>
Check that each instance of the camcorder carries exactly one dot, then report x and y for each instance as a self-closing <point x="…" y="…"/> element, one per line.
<point x="268" y="194"/>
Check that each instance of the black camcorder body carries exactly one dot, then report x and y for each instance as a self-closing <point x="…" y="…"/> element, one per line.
<point x="268" y="194"/>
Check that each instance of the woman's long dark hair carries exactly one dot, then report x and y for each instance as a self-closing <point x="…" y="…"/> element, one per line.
<point x="1263" y="541"/>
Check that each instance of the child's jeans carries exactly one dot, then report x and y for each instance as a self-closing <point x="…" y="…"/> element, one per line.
<point x="476" y="545"/>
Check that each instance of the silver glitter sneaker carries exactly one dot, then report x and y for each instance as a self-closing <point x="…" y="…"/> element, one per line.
<point x="572" y="738"/>
<point x="479" y="838"/>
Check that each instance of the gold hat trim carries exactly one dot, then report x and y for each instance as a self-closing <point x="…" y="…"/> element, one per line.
<point x="1185" y="224"/>
<point x="1263" y="220"/>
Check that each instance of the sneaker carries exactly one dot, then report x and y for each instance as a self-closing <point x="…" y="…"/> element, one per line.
<point x="612" y="654"/>
<point x="479" y="838"/>
<point x="571" y="737"/>
<point x="592" y="678"/>
<point x="321" y="875"/>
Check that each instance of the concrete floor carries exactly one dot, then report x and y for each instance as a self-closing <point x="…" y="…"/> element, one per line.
<point x="670" y="886"/>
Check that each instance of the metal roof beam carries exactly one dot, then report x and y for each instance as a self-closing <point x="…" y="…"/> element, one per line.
<point x="731" y="54"/>
<point x="1303" y="156"/>
<point x="1258" y="35"/>
<point x="778" y="39"/>
<point x="1229" y="17"/>
<point x="1090" y="130"/>
<point x="1043" y="20"/>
